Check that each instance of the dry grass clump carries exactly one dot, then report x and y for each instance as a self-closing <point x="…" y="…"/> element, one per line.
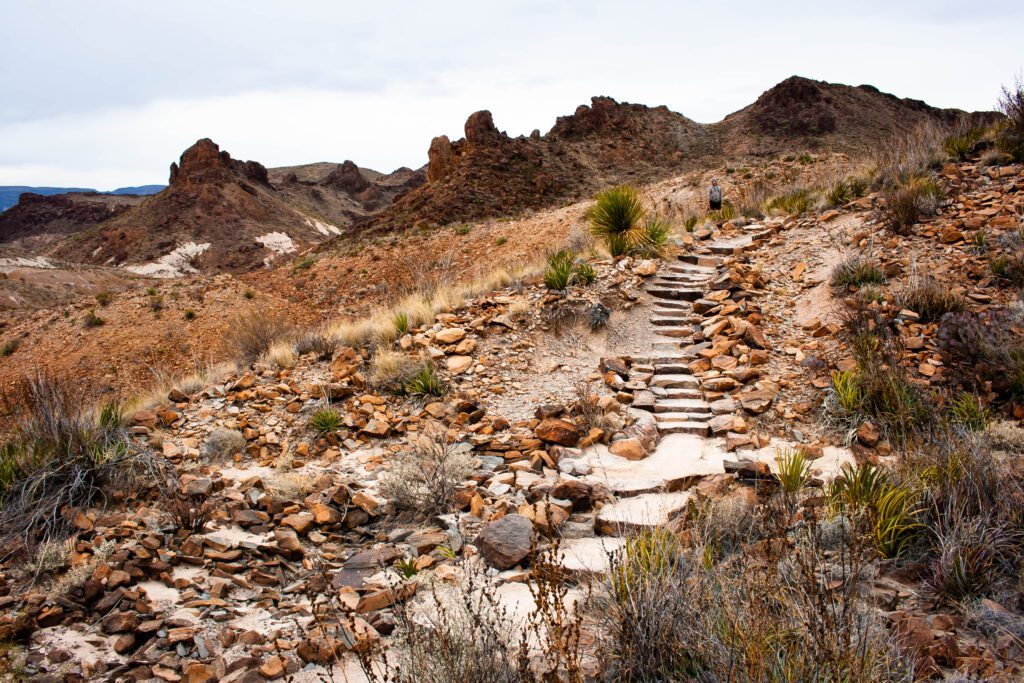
<point x="391" y="370"/>
<point x="318" y="342"/>
<point x="291" y="485"/>
<point x="907" y="202"/>
<point x="69" y="583"/>
<point x="857" y="270"/>
<point x="987" y="348"/>
<point x="252" y="332"/>
<point x="221" y="444"/>
<point x="927" y="297"/>
<point x="424" y="478"/>
<point x="1010" y="133"/>
<point x="281" y="354"/>
<point x="188" y="512"/>
<point x="62" y="458"/>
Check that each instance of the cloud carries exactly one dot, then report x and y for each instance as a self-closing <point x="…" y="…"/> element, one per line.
<point x="110" y="93"/>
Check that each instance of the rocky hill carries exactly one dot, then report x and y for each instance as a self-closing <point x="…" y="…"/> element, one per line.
<point x="803" y="114"/>
<point x="217" y="214"/>
<point x="39" y="220"/>
<point x="487" y="173"/>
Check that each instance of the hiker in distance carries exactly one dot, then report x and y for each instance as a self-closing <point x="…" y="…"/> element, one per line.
<point x="715" y="195"/>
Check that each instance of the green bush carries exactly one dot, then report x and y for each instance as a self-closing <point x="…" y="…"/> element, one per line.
<point x="190" y="314"/>
<point x="325" y="421"/>
<point x="617" y="217"/>
<point x="970" y="412"/>
<point x="401" y="322"/>
<point x="896" y="521"/>
<point x="92" y="320"/>
<point x="584" y="273"/>
<point x="690" y="222"/>
<point x="960" y="144"/>
<point x="104" y="298"/>
<point x="426" y="383"/>
<point x="793" y="202"/>
<point x="559" y="270"/>
<point x="794" y="471"/>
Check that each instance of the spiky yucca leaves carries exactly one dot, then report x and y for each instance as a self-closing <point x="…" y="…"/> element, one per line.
<point x="558" y="273"/>
<point x="617" y="218"/>
<point x="858" y="487"/>
<point x="909" y="202"/>
<point x="325" y="421"/>
<point x="897" y="522"/>
<point x="426" y="382"/>
<point x="857" y="269"/>
<point x="793" y="202"/>
<point x="970" y="412"/>
<point x="847" y="391"/>
<point x="794" y="471"/>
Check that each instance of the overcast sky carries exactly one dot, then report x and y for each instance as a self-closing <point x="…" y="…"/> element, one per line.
<point x="107" y="93"/>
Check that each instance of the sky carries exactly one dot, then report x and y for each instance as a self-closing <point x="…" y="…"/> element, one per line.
<point x="108" y="93"/>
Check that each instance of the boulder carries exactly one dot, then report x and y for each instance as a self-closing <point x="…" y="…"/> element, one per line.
<point x="506" y="541"/>
<point x="630" y="449"/>
<point x="556" y="430"/>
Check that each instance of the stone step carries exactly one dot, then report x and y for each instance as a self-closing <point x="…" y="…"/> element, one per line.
<point x="674" y="306"/>
<point x="670" y="368"/>
<point x="684" y="332"/>
<point x="695" y="280"/>
<point x="672" y="393"/>
<point x="697" y="428"/>
<point x="701" y="260"/>
<point x="736" y="245"/>
<point x="646" y="511"/>
<point x="663" y="291"/>
<point x="684" y="405"/>
<point x="682" y="417"/>
<point x="669" y="320"/>
<point x="669" y="347"/>
<point x="681" y="381"/>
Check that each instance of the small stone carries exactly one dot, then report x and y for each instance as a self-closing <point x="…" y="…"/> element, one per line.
<point x="630" y="449"/>
<point x="450" y="335"/>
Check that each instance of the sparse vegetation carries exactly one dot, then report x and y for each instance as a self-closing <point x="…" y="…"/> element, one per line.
<point x="92" y="320"/>
<point x="325" y="421"/>
<point x="104" y="298"/>
<point x="320" y="342"/>
<point x="392" y="369"/>
<point x="424" y="477"/>
<point x="793" y="202"/>
<point x="1010" y="135"/>
<point x="558" y="273"/>
<point x="794" y="471"/>
<point x="617" y="217"/>
<point x="305" y="264"/>
<point x="908" y="202"/>
<point x="928" y="298"/>
<point x="960" y="144"/>
<point x="426" y="382"/>
<point x="189" y="512"/>
<point x="857" y="270"/>
<point x="987" y="348"/>
<point x="9" y="347"/>
<point x="189" y="314"/>
<point x="222" y="443"/>
<point x="970" y="412"/>
<point x="252" y="332"/>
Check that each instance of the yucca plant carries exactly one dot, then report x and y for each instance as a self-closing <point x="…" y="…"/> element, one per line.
<point x="584" y="273"/>
<point x="896" y="521"/>
<point x="649" y="552"/>
<point x="407" y="568"/>
<point x="426" y="382"/>
<point x="401" y="322"/>
<point x="848" y="391"/>
<point x="839" y="194"/>
<point x="858" y="487"/>
<point x="559" y="271"/>
<point x="690" y="222"/>
<point x="857" y="270"/>
<point x="793" y="202"/>
<point x="970" y="412"/>
<point x="616" y="217"/>
<point x="655" y="237"/>
<point x="794" y="470"/>
<point x="325" y="421"/>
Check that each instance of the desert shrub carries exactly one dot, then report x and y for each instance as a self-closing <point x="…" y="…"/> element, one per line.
<point x="223" y="443"/>
<point x="9" y="347"/>
<point x="92" y="320"/>
<point x="61" y="457"/>
<point x="1010" y="136"/>
<point x="794" y="470"/>
<point x="644" y="602"/>
<point x="189" y="512"/>
<point x="656" y="232"/>
<point x="425" y="476"/>
<point x="558" y="273"/>
<point x="500" y="240"/>
<point x="971" y="554"/>
<point x="690" y="222"/>
<point x="281" y="354"/>
<point x="426" y="382"/>
<point x="150" y="291"/>
<point x="927" y="297"/>
<point x="247" y="294"/>
<point x="251" y="333"/>
<point x="858" y="487"/>
<point x="908" y="156"/>
<point x="104" y="298"/>
<point x="792" y="202"/>
<point x="189" y="314"/>
<point x="617" y="217"/>
<point x="897" y="522"/>
<point x="462" y="230"/>
<point x="392" y="369"/>
<point x="857" y="269"/>
<point x="879" y="389"/>
<point x="325" y="421"/>
<point x="908" y="202"/>
<point x="845" y="190"/>
<point x="726" y="213"/>
<point x="961" y="143"/>
<point x="1009" y="265"/>
<point x="319" y="342"/>
<point x="986" y="347"/>
<point x="305" y="264"/>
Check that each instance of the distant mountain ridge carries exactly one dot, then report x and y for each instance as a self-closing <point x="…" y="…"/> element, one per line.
<point x="10" y="194"/>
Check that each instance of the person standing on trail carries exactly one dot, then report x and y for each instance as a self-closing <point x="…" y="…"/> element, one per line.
<point x="715" y="195"/>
